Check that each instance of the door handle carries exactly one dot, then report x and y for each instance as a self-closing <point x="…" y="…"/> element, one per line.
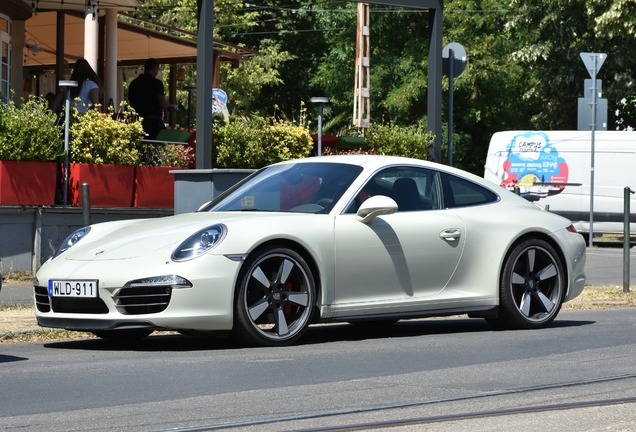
<point x="451" y="234"/>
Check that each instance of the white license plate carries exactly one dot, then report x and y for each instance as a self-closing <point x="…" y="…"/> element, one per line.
<point x="73" y="288"/>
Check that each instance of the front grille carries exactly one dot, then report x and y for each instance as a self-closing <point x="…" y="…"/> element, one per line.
<point x="66" y="304"/>
<point x="79" y="305"/>
<point x="143" y="300"/>
<point x="42" y="299"/>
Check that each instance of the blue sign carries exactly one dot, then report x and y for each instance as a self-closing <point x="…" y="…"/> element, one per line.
<point x="219" y="104"/>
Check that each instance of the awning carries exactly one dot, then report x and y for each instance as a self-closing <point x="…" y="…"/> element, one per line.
<point x="135" y="44"/>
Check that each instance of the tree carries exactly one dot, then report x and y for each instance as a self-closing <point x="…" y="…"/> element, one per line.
<point x="554" y="35"/>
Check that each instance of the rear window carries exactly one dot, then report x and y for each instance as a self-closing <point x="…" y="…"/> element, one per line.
<point x="459" y="192"/>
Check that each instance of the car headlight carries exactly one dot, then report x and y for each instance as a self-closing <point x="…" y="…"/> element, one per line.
<point x="199" y="243"/>
<point x="72" y="240"/>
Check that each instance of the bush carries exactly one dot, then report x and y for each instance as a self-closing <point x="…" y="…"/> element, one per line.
<point x="408" y="141"/>
<point x="170" y="155"/>
<point x="99" y="138"/>
<point x="29" y="132"/>
<point x="254" y="142"/>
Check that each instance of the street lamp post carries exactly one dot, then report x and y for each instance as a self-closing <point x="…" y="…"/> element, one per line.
<point x="320" y="102"/>
<point x="66" y="85"/>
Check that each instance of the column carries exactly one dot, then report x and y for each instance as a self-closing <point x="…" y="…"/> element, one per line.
<point x="91" y="34"/>
<point x="110" y="72"/>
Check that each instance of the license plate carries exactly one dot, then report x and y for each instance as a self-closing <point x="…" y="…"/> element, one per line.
<point x="73" y="288"/>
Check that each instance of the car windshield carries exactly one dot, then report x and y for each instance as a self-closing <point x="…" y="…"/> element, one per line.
<point x="296" y="187"/>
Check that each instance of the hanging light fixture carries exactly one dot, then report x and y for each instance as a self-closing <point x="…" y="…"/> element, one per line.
<point x="33" y="47"/>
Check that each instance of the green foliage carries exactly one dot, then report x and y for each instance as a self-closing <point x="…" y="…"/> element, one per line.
<point x="395" y="140"/>
<point x="524" y="68"/>
<point x="244" y="84"/>
<point x="626" y="113"/>
<point x="99" y="138"/>
<point x="169" y="155"/>
<point x="254" y="142"/>
<point x="29" y="132"/>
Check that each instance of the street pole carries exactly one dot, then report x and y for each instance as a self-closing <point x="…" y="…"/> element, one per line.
<point x="594" y="71"/>
<point x="66" y="85"/>
<point x="451" y="62"/>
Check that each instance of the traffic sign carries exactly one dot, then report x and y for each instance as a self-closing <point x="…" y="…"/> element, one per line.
<point x="585" y="114"/>
<point x="593" y="62"/>
<point x="588" y="88"/>
<point x="459" y="59"/>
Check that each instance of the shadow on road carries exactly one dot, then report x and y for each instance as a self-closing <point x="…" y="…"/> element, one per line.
<point x="10" y="358"/>
<point x="316" y="334"/>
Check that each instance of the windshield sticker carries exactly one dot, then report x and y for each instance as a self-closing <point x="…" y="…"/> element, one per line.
<point x="247" y="201"/>
<point x="533" y="164"/>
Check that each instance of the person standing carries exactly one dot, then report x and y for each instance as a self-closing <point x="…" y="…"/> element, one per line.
<point x="88" y="92"/>
<point x="89" y="86"/>
<point x="147" y="97"/>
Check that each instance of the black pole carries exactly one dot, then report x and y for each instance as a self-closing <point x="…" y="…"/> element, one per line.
<point x="451" y="72"/>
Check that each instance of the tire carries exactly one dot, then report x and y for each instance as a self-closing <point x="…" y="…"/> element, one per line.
<point x="532" y="286"/>
<point x="122" y="335"/>
<point x="275" y="298"/>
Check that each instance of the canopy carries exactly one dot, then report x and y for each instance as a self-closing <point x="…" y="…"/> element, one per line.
<point x="135" y="44"/>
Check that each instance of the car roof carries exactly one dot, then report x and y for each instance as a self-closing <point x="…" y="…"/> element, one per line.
<point x="375" y="162"/>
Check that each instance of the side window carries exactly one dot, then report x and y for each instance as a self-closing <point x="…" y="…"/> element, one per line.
<point x="459" y="192"/>
<point x="412" y="188"/>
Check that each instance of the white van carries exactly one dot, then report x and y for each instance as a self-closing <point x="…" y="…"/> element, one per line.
<point x="552" y="168"/>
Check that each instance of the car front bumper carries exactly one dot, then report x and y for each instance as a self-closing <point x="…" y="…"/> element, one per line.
<point x="207" y="305"/>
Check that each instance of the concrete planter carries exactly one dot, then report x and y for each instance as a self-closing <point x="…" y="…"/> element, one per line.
<point x="27" y="183"/>
<point x="154" y="187"/>
<point x="110" y="185"/>
<point x="193" y="188"/>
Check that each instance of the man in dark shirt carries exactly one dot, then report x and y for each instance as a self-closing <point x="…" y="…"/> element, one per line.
<point x="146" y="96"/>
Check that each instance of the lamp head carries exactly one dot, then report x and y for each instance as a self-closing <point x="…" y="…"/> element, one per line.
<point x="320" y="100"/>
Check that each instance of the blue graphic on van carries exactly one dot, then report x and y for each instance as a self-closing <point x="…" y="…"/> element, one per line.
<point x="534" y="165"/>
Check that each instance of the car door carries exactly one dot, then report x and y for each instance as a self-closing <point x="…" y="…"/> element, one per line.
<point x="396" y="260"/>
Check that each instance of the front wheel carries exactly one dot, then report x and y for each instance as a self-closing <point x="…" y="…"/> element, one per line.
<point x="275" y="298"/>
<point x="532" y="286"/>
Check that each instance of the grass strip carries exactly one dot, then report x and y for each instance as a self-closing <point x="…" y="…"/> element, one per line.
<point x="592" y="297"/>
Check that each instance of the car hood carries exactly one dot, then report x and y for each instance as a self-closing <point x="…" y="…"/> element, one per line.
<point x="140" y="237"/>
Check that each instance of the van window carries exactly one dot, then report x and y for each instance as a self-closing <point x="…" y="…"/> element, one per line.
<point x="459" y="192"/>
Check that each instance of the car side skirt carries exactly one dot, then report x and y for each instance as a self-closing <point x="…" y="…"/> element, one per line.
<point x="473" y="312"/>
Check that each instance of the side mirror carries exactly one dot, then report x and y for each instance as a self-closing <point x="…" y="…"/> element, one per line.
<point x="376" y="206"/>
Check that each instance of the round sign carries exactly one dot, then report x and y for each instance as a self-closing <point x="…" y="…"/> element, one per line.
<point x="459" y="59"/>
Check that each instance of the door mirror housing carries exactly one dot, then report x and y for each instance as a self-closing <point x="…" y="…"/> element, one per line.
<point x="375" y="206"/>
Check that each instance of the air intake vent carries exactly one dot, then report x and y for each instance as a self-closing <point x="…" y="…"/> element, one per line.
<point x="143" y="300"/>
<point x="42" y="299"/>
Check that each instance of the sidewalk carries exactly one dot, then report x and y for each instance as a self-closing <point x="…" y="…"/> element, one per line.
<point x="17" y="320"/>
<point x="17" y="292"/>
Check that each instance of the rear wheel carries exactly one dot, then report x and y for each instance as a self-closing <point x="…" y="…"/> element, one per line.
<point x="532" y="286"/>
<point x="275" y="298"/>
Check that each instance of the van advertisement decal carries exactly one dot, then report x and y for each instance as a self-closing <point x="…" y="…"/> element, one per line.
<point x="534" y="165"/>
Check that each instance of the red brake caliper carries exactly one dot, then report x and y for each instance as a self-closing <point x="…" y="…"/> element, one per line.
<point x="287" y="308"/>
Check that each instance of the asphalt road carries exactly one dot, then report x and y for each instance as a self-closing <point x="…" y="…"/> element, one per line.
<point x="604" y="267"/>
<point x="336" y="375"/>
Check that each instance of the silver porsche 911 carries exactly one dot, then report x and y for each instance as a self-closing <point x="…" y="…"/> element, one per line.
<point x="360" y="239"/>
